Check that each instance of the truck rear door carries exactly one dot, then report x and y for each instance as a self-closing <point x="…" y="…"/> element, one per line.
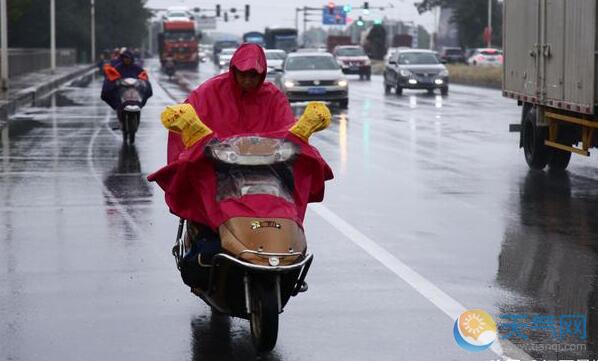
<point x="522" y="43"/>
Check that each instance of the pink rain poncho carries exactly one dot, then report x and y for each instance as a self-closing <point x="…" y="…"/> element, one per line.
<point x="190" y="180"/>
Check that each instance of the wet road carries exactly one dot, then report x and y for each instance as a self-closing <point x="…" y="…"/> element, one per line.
<point x="432" y="211"/>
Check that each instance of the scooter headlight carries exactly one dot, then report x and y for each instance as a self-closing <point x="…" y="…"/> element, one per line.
<point x="252" y="150"/>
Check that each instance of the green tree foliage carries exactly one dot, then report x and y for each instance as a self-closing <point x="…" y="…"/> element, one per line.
<point x="118" y="23"/>
<point x="375" y="44"/>
<point x="471" y="17"/>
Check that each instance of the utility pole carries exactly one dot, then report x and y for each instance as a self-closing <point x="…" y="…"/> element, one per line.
<point x="93" y="31"/>
<point x="4" y="40"/>
<point x="297" y="10"/>
<point x="304" y="20"/>
<point x="53" y="35"/>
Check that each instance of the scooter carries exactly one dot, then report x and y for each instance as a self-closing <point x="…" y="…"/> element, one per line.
<point x="170" y="68"/>
<point x="261" y="262"/>
<point x="131" y="92"/>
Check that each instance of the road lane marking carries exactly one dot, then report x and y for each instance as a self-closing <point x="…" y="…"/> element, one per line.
<point x="427" y="289"/>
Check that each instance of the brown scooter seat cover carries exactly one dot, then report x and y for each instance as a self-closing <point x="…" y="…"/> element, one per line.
<point x="271" y="235"/>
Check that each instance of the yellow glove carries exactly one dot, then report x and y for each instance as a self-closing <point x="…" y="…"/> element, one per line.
<point x="182" y="119"/>
<point x="315" y="118"/>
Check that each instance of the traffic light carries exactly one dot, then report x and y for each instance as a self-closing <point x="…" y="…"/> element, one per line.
<point x="246" y="12"/>
<point x="360" y="22"/>
<point x="226" y="16"/>
<point x="377" y="21"/>
<point x="331" y="8"/>
<point x="196" y="9"/>
<point x="217" y="10"/>
<point x="347" y="8"/>
<point x="366" y="5"/>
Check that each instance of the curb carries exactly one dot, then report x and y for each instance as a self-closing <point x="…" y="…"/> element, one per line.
<point x="28" y="96"/>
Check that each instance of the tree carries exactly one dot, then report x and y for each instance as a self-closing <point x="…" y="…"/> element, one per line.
<point x="118" y="23"/>
<point x="375" y="44"/>
<point x="471" y="18"/>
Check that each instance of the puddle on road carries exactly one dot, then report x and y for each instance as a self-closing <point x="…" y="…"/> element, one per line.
<point x="58" y="99"/>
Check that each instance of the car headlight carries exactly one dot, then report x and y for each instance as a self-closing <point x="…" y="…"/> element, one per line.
<point x="342" y="83"/>
<point x="443" y="73"/>
<point x="289" y="83"/>
<point x="405" y="72"/>
<point x="222" y="62"/>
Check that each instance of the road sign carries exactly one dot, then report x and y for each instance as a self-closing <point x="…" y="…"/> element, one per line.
<point x="336" y="17"/>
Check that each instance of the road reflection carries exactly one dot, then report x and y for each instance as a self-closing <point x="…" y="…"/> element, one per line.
<point x="127" y="188"/>
<point x="217" y="337"/>
<point x="548" y="258"/>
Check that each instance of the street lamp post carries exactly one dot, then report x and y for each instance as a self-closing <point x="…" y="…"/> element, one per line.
<point x="93" y="31"/>
<point x="4" y="41"/>
<point x="53" y="35"/>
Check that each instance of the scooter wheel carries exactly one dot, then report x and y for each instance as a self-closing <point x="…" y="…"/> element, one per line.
<point x="264" y="317"/>
<point x="132" y="137"/>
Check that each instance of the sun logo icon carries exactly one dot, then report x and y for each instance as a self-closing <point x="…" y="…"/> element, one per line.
<point x="475" y="330"/>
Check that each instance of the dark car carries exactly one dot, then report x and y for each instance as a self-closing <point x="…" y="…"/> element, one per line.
<point x="452" y="55"/>
<point x="415" y="69"/>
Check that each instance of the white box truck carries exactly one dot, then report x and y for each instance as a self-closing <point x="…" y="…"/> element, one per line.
<point x="550" y="69"/>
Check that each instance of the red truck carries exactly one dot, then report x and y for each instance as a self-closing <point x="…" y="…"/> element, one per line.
<point x="336" y="40"/>
<point x="179" y="40"/>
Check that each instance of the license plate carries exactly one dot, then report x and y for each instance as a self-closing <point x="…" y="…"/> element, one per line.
<point x="316" y="91"/>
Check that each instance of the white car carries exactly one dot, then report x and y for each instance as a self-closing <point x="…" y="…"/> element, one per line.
<point x="275" y="58"/>
<point x="178" y="13"/>
<point x="486" y="57"/>
<point x="314" y="76"/>
<point x="225" y="56"/>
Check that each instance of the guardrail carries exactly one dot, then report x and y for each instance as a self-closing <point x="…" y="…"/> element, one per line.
<point x="27" y="60"/>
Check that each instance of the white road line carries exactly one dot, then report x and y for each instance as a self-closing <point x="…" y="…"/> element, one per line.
<point x="427" y="289"/>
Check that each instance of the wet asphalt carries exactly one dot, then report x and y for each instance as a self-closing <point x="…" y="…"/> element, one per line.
<point x="431" y="194"/>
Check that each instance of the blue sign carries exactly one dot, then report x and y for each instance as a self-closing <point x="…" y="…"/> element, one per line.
<point x="337" y="16"/>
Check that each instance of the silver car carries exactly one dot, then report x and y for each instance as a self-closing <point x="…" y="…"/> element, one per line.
<point x="225" y="56"/>
<point x="275" y="58"/>
<point x="314" y="76"/>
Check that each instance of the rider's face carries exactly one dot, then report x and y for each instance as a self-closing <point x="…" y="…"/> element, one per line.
<point x="248" y="80"/>
<point x="127" y="60"/>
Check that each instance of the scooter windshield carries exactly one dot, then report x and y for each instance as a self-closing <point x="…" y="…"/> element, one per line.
<point x="131" y="89"/>
<point x="253" y="165"/>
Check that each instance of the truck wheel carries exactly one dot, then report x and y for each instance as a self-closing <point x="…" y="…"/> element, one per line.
<point x="536" y="153"/>
<point x="559" y="160"/>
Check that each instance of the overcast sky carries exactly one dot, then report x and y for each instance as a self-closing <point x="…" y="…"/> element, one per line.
<point x="282" y="12"/>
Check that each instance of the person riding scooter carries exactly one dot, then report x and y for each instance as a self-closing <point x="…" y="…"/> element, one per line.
<point x="126" y="68"/>
<point x="240" y="173"/>
<point x="236" y="102"/>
